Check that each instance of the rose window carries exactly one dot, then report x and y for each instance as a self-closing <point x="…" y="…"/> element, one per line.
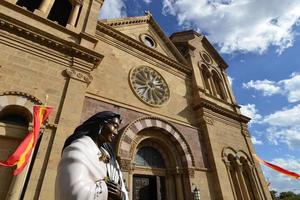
<point x="149" y="86"/>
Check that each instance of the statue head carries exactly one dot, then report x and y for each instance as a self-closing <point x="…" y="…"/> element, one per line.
<point x="108" y="130"/>
<point x="101" y="127"/>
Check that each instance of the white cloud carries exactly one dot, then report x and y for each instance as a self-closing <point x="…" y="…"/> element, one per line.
<point x="250" y="110"/>
<point x="284" y="118"/>
<point x="284" y="127"/>
<point x="239" y="25"/>
<point x="288" y="87"/>
<point x="147" y="1"/>
<point x="230" y="79"/>
<point x="113" y="9"/>
<point x="256" y="141"/>
<point x="292" y="87"/>
<point x="281" y="182"/>
<point x="267" y="87"/>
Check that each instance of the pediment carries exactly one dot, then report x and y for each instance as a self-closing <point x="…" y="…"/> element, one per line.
<point x="145" y="30"/>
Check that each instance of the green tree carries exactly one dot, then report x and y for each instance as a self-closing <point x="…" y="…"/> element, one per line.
<point x="289" y="195"/>
<point x="274" y="194"/>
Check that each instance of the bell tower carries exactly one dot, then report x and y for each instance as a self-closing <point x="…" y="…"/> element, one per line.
<point x="236" y="175"/>
<point x="70" y="16"/>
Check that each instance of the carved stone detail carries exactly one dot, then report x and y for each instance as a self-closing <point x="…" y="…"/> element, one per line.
<point x="223" y="111"/>
<point x="149" y="86"/>
<point x="81" y="76"/>
<point x="107" y="28"/>
<point x="125" y="164"/>
<point x="208" y="120"/>
<point x="66" y="47"/>
<point x="30" y="97"/>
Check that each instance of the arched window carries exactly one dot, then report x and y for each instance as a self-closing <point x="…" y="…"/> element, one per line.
<point x="149" y="157"/>
<point x="60" y="12"/>
<point x="234" y="176"/>
<point x="219" y="89"/>
<point x="14" y="121"/>
<point x="16" y="115"/>
<point x="241" y="175"/>
<point x="206" y="76"/>
<point x="31" y="5"/>
<point x="249" y="180"/>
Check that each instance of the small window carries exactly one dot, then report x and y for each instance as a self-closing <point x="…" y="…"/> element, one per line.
<point x="60" y="12"/>
<point x="30" y="5"/>
<point x="149" y="157"/>
<point x="16" y="115"/>
<point x="147" y="40"/>
<point x="219" y="86"/>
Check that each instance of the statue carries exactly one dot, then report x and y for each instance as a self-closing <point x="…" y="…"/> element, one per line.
<point x="88" y="168"/>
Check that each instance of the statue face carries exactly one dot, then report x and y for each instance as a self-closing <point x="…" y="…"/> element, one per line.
<point x="109" y="130"/>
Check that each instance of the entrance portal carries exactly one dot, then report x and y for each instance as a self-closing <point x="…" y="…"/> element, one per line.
<point x="148" y="187"/>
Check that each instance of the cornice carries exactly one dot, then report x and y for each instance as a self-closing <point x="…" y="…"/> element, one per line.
<point x="221" y="62"/>
<point x="45" y="39"/>
<point x="193" y="34"/>
<point x="147" y="19"/>
<point x="137" y="45"/>
<point x="30" y="97"/>
<point x="126" y="21"/>
<point x="203" y="103"/>
<point x="77" y="75"/>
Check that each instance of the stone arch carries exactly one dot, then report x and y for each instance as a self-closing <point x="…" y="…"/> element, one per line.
<point x="14" y="102"/>
<point x="243" y="155"/>
<point x="154" y="144"/>
<point x="228" y="151"/>
<point x="124" y="146"/>
<point x="21" y="99"/>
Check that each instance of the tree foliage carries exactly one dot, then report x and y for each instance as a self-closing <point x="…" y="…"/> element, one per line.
<point x="289" y="195"/>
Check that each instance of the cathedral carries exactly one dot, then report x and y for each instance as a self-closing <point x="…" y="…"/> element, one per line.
<point x="182" y="136"/>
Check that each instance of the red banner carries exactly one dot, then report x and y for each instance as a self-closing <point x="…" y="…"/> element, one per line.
<point x="22" y="153"/>
<point x="277" y="168"/>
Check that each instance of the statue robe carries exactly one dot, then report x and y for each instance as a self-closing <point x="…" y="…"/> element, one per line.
<point x="81" y="175"/>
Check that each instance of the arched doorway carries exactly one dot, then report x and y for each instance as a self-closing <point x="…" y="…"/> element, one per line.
<point x="149" y="173"/>
<point x="156" y="161"/>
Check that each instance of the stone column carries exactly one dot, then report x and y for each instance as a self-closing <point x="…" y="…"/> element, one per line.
<point x="242" y="181"/>
<point x="44" y="5"/>
<point x="74" y="13"/>
<point x="179" y="190"/>
<point x="228" y="167"/>
<point x="69" y="117"/>
<point x="17" y="184"/>
<point x="12" y="1"/>
<point x="254" y="183"/>
<point x="44" y="8"/>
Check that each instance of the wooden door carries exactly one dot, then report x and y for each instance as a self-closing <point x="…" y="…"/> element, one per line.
<point x="148" y="187"/>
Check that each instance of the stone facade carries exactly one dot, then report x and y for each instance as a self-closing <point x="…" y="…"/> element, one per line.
<point x="84" y="66"/>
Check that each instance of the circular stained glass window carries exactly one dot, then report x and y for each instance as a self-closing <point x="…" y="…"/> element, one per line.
<point x="206" y="57"/>
<point x="149" y="86"/>
<point x="147" y="40"/>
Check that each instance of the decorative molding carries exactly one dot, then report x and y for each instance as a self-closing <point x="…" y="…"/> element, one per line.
<point x="150" y="20"/>
<point x="30" y="97"/>
<point x="244" y="130"/>
<point x="141" y="47"/>
<point x="125" y="164"/>
<point x="203" y="103"/>
<point x="77" y="75"/>
<point x="45" y="39"/>
<point x="149" y="86"/>
<point x="136" y="126"/>
<point x="208" y="120"/>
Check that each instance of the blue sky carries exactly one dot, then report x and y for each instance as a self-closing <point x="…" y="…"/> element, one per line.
<point x="260" y="41"/>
